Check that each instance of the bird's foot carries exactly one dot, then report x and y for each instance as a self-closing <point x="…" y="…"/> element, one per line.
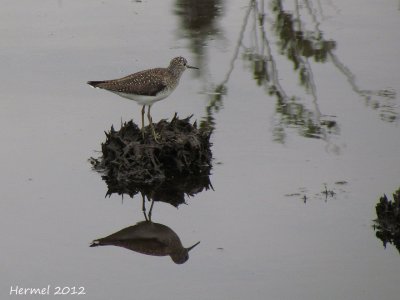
<point x="156" y="135"/>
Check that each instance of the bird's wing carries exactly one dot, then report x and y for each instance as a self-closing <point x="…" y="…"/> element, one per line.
<point x="148" y="82"/>
<point x="150" y="246"/>
<point x="146" y="246"/>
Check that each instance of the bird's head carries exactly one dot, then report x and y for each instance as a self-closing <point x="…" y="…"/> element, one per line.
<point x="180" y="64"/>
<point x="183" y="255"/>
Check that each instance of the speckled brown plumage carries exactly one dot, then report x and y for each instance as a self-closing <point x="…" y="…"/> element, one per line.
<point x="146" y="83"/>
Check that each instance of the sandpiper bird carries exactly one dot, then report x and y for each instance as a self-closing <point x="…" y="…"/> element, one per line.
<point x="148" y="86"/>
<point x="148" y="238"/>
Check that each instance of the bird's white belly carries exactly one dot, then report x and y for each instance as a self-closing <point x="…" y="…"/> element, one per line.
<point x="145" y="100"/>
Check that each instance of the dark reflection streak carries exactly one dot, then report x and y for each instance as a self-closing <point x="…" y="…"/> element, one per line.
<point x="261" y="17"/>
<point x="391" y="113"/>
<point x="269" y="57"/>
<point x="239" y="43"/>
<point x="388" y="111"/>
<point x="297" y="20"/>
<point x="346" y="72"/>
<point x="317" y="30"/>
<point x="216" y="98"/>
<point x="254" y="29"/>
<point x="310" y="75"/>
<point x="311" y="86"/>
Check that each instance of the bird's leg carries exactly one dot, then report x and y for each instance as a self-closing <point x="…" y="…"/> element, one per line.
<point x="143" y="110"/>
<point x="151" y="209"/>
<point x="144" y="206"/>
<point x="155" y="135"/>
<point x="148" y="115"/>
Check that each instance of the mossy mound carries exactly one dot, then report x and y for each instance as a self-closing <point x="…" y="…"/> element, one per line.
<point x="180" y="162"/>
<point x="387" y="225"/>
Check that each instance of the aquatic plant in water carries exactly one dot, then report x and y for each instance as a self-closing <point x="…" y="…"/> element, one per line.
<point x="387" y="225"/>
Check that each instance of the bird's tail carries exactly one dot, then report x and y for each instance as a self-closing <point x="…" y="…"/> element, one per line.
<point x="95" y="243"/>
<point x="95" y="83"/>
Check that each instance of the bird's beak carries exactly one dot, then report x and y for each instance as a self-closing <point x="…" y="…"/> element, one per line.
<point x="191" y="67"/>
<point x="190" y="248"/>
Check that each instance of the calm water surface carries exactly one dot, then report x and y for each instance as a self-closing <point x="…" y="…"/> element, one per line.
<point x="304" y="100"/>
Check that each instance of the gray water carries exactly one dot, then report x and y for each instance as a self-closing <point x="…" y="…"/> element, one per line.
<point x="304" y="100"/>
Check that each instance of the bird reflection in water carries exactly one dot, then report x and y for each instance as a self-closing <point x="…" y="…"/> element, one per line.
<point x="149" y="238"/>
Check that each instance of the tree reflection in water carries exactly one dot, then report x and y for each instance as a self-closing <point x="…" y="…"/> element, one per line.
<point x="263" y="36"/>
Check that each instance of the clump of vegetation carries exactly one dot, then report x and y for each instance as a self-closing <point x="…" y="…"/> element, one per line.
<point x="387" y="225"/>
<point x="178" y="163"/>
